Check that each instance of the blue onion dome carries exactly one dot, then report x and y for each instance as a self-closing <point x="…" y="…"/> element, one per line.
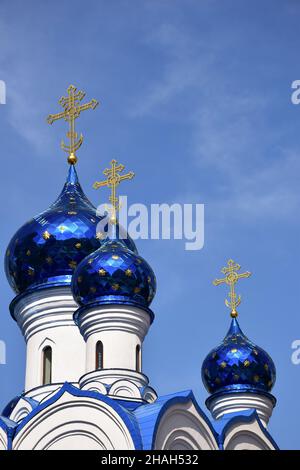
<point x="238" y="365"/>
<point x="114" y="274"/>
<point x="46" y="250"/>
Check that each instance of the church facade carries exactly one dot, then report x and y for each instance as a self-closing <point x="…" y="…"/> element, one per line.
<point x="83" y="306"/>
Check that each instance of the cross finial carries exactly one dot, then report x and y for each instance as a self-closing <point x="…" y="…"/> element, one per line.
<point x="231" y="278"/>
<point x="72" y="110"/>
<point x="113" y="180"/>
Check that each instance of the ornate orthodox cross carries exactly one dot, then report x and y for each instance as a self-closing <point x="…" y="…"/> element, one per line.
<point x="231" y="278"/>
<point x="113" y="180"/>
<point x="72" y="110"/>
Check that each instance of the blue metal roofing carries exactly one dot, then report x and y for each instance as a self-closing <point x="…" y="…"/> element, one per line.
<point x="141" y="419"/>
<point x="149" y="415"/>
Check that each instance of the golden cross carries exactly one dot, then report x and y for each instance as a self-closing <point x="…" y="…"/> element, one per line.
<point x="113" y="180"/>
<point x="72" y="110"/>
<point x="231" y="278"/>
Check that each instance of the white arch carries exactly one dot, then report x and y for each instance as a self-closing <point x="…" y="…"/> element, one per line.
<point x="183" y="428"/>
<point x="3" y="439"/>
<point x="74" y="422"/>
<point x="20" y="411"/>
<point x="247" y="436"/>
<point x="126" y="389"/>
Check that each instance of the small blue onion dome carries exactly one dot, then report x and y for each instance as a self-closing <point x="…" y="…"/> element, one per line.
<point x="238" y="365"/>
<point x="114" y="274"/>
<point x="47" y="249"/>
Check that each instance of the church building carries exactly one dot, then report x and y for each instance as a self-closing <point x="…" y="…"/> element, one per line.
<point x="83" y="304"/>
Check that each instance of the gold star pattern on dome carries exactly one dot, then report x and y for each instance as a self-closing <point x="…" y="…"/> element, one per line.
<point x="100" y="235"/>
<point x="72" y="109"/>
<point x="46" y="235"/>
<point x="231" y="278"/>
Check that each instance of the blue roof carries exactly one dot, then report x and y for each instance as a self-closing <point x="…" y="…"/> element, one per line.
<point x="46" y="250"/>
<point x="141" y="419"/>
<point x="149" y="415"/>
<point x="237" y="364"/>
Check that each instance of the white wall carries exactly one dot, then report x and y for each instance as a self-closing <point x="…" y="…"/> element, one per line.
<point x="120" y="328"/>
<point x="46" y="319"/>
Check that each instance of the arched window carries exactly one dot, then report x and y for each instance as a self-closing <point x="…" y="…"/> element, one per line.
<point x="99" y="355"/>
<point x="138" y="365"/>
<point x="47" y="365"/>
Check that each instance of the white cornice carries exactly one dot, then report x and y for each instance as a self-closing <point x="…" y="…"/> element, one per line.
<point x="44" y="309"/>
<point x="238" y="402"/>
<point x="114" y="318"/>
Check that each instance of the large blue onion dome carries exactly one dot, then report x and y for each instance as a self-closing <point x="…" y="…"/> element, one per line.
<point x="46" y="250"/>
<point x="114" y="274"/>
<point x="238" y="365"/>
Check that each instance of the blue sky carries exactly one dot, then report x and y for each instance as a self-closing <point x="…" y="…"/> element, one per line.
<point x="196" y="99"/>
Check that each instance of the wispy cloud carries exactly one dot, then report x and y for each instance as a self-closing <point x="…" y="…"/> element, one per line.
<point x="24" y="98"/>
<point x="231" y="132"/>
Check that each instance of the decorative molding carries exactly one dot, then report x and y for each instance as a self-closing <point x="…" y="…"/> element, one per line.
<point x="182" y="427"/>
<point x="221" y="405"/>
<point x="247" y="435"/>
<point x="44" y="309"/>
<point x="3" y="440"/>
<point x="43" y="392"/>
<point x="21" y="410"/>
<point x="72" y="419"/>
<point x="125" y="318"/>
<point x="110" y="376"/>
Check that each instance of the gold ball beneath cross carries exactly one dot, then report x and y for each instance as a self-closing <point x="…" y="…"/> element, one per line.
<point x="72" y="159"/>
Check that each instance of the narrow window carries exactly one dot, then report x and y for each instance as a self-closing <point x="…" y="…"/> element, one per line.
<point x="99" y="355"/>
<point x="138" y="358"/>
<point x="47" y="365"/>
